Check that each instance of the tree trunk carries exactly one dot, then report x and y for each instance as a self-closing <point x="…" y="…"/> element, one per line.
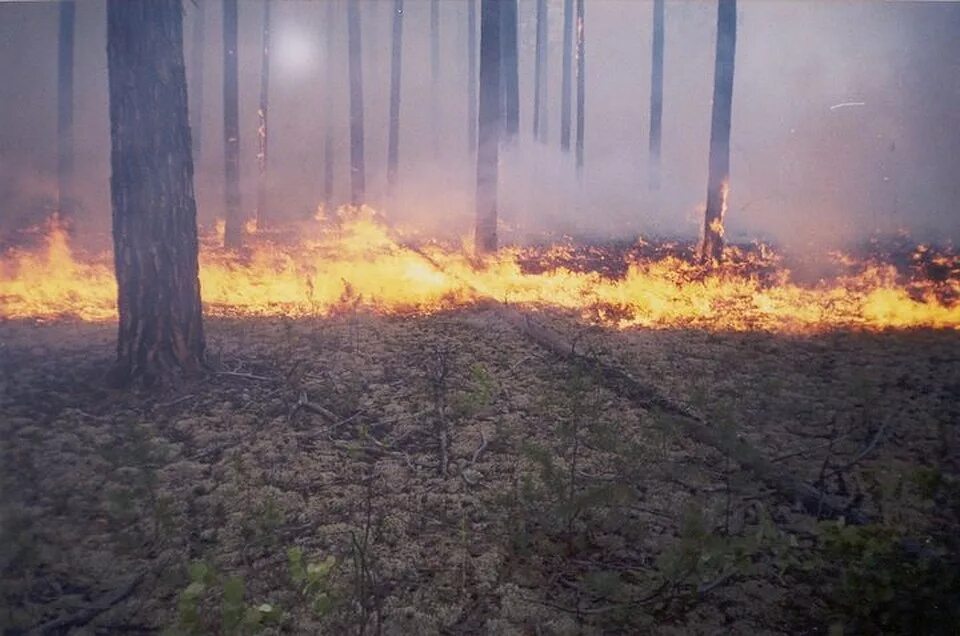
<point x="656" y="95"/>
<point x="540" y="115"/>
<point x="566" y="84"/>
<point x="393" y="143"/>
<point x="357" y="176"/>
<point x="472" y="76"/>
<point x="510" y="69"/>
<point x="151" y="186"/>
<point x="262" y="215"/>
<point x="196" y="86"/>
<point x="65" y="201"/>
<point x="718" y="180"/>
<point x="330" y="31"/>
<point x="233" y="237"/>
<point x="488" y="127"/>
<point x="581" y="87"/>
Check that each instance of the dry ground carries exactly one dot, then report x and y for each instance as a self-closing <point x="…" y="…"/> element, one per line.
<point x="443" y="474"/>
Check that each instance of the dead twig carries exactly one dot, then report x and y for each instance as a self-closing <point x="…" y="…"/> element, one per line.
<point x="246" y="376"/>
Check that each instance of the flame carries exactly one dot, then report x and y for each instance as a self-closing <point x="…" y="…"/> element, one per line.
<point x="353" y="259"/>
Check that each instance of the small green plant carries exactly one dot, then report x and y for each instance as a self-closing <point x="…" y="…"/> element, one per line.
<point x="313" y="580"/>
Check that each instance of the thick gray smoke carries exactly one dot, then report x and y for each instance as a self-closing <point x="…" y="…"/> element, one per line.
<point x="846" y="119"/>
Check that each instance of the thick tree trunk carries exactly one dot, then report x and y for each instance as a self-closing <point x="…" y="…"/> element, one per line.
<point x="488" y="127"/>
<point x="510" y="78"/>
<point x="566" y="83"/>
<point x="393" y="142"/>
<point x="65" y="197"/>
<point x="262" y="139"/>
<point x="472" y="76"/>
<point x="233" y="237"/>
<point x="330" y="31"/>
<point x="196" y="86"/>
<point x="656" y="95"/>
<point x="581" y="87"/>
<point x="154" y="213"/>
<point x="718" y="180"/>
<point x="540" y="114"/>
<point x="357" y="176"/>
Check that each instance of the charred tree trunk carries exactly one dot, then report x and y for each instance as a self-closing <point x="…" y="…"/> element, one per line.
<point x="581" y="87"/>
<point x="566" y="83"/>
<point x="357" y="176"/>
<point x="262" y="139"/>
<point x="488" y="127"/>
<point x="393" y="142"/>
<point x="510" y="69"/>
<point x="718" y="179"/>
<point x="540" y="74"/>
<point x="328" y="108"/>
<point x="65" y="202"/>
<point x="472" y="76"/>
<point x="151" y="185"/>
<point x="656" y="95"/>
<point x="196" y="86"/>
<point x="233" y="236"/>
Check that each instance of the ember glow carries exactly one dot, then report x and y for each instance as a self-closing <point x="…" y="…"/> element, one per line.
<point x="358" y="261"/>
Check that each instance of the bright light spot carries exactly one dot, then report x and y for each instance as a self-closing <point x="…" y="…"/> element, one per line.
<point x="295" y="52"/>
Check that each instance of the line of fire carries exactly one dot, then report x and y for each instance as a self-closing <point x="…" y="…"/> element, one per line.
<point x="479" y="317"/>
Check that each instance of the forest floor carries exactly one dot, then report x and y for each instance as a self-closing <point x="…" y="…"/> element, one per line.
<point x="444" y="474"/>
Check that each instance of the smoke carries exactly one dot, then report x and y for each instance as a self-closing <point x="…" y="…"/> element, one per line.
<point x="804" y="171"/>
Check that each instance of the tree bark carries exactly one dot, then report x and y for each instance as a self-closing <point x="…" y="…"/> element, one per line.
<point x="656" y="94"/>
<point x="581" y="87"/>
<point x="262" y="139"/>
<point x="472" y="76"/>
<point x="330" y="31"/>
<point x="393" y="142"/>
<point x="566" y="83"/>
<point x="718" y="179"/>
<point x="357" y="175"/>
<point x="540" y="115"/>
<point x="510" y="69"/>
<point x="154" y="213"/>
<point x="233" y="236"/>
<point x="65" y="195"/>
<point x="196" y="86"/>
<point x="488" y="127"/>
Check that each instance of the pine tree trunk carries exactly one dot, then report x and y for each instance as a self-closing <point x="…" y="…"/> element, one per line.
<point x="581" y="87"/>
<point x="566" y="84"/>
<point x="330" y="31"/>
<point x="488" y="127"/>
<point x="262" y="139"/>
<point x="154" y="213"/>
<point x="196" y="86"/>
<point x="472" y="79"/>
<point x="233" y="237"/>
<point x="393" y="142"/>
<point x="65" y="197"/>
<point x="510" y="69"/>
<point x="718" y="180"/>
<point x="656" y="95"/>
<point x="357" y="176"/>
<point x="540" y="114"/>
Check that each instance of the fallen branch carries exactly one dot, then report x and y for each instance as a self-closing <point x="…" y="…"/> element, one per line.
<point x="86" y="614"/>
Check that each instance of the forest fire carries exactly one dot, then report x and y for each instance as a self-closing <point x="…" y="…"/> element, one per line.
<point x="359" y="262"/>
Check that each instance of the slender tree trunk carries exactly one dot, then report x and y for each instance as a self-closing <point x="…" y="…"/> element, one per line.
<point x="510" y="69"/>
<point x="196" y="86"/>
<point x="581" y="86"/>
<point x="154" y="212"/>
<point x="65" y="200"/>
<point x="435" y="74"/>
<point x="540" y="115"/>
<point x="233" y="237"/>
<point x="330" y="31"/>
<point x="262" y="139"/>
<point x="357" y="176"/>
<point x="393" y="142"/>
<point x="566" y="84"/>
<point x="718" y="180"/>
<point x="656" y="95"/>
<point x="472" y="79"/>
<point x="488" y="127"/>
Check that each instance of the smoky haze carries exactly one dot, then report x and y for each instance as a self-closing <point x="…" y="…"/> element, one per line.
<point x="846" y="119"/>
